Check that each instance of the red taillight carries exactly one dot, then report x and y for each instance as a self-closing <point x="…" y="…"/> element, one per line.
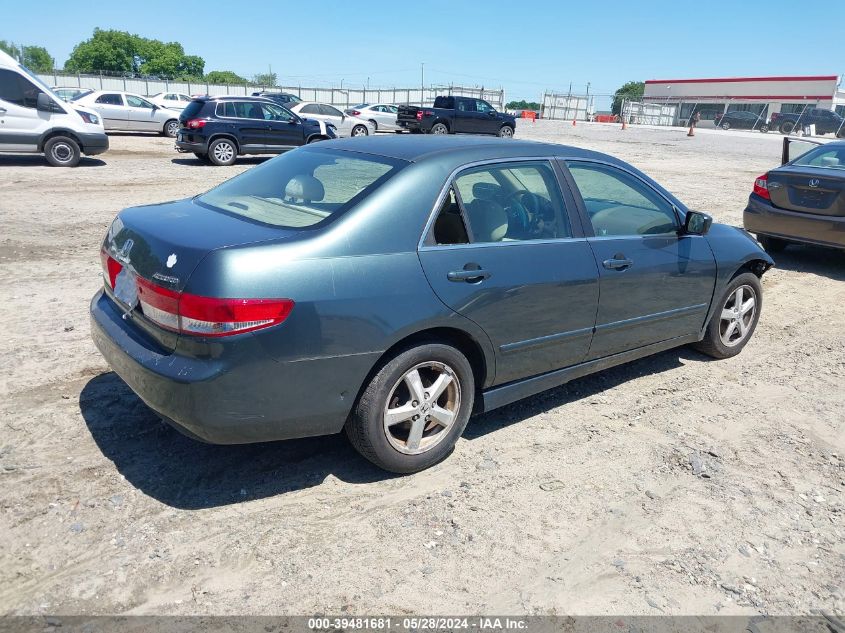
<point x="761" y="186"/>
<point x="195" y="124"/>
<point x="111" y="267"/>
<point x="208" y="316"/>
<point x="419" y="115"/>
<point x="354" y="113"/>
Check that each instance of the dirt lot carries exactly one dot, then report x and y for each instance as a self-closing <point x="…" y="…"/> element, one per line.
<point x="674" y="484"/>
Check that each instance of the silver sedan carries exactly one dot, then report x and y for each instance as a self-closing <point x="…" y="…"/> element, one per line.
<point x="381" y="115"/>
<point x="125" y="111"/>
<point x="345" y="124"/>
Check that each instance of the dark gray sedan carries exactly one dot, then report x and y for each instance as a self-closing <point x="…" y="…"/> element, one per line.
<point x="393" y="286"/>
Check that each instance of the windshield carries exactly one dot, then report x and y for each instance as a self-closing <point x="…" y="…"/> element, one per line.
<point x="824" y="156"/>
<point x="303" y="187"/>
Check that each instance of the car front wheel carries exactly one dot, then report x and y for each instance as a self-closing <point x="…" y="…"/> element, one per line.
<point x="62" y="151"/>
<point x="733" y="323"/>
<point x="414" y="409"/>
<point x="171" y="128"/>
<point x="506" y="131"/>
<point x="726" y="126"/>
<point x="360" y="130"/>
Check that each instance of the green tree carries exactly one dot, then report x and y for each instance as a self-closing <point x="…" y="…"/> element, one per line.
<point x="631" y="91"/>
<point x="10" y="48"/>
<point x="224" y="77"/>
<point x="522" y="105"/>
<point x="37" y="58"/>
<point x="119" y="51"/>
<point x="265" y="79"/>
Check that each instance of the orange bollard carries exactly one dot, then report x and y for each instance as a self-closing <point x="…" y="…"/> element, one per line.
<point x="691" y="131"/>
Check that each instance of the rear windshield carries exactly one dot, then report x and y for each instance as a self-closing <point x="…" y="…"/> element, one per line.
<point x="824" y="156"/>
<point x="302" y="188"/>
<point x="192" y="109"/>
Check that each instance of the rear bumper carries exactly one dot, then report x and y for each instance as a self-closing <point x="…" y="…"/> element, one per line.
<point x="763" y="218"/>
<point x="191" y="143"/>
<point x="238" y="394"/>
<point x="411" y="125"/>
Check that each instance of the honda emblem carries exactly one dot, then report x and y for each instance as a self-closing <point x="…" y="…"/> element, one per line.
<point x="814" y="182"/>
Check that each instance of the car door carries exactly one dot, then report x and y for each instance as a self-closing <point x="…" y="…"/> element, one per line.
<point x="464" y="119"/>
<point x="504" y="252"/>
<point x="486" y="120"/>
<point x="20" y="120"/>
<point x="253" y="129"/>
<point x="113" y="111"/>
<point x="284" y="131"/>
<point x="142" y="114"/>
<point x="332" y="115"/>
<point x="655" y="284"/>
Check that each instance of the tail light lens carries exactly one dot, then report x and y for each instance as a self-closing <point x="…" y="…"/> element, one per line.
<point x="111" y="268"/>
<point x="419" y="115"/>
<point x="354" y="113"/>
<point x="195" y="124"/>
<point x="761" y="186"/>
<point x="200" y="316"/>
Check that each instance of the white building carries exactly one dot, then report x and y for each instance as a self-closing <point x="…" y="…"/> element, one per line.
<point x="761" y="95"/>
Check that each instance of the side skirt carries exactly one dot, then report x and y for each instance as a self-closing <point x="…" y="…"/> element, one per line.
<point x="496" y="397"/>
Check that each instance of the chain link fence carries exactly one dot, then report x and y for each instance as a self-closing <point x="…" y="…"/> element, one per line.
<point x="340" y="97"/>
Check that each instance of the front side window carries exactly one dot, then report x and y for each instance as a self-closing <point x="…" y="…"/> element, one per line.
<point x="18" y="90"/>
<point x="275" y="113"/>
<point x="483" y="106"/>
<point x="302" y="188"/>
<point x="503" y="203"/>
<point x="618" y="204"/>
<point x="135" y="101"/>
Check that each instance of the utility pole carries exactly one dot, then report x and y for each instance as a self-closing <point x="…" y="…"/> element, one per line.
<point x="587" y="105"/>
<point x="422" y="83"/>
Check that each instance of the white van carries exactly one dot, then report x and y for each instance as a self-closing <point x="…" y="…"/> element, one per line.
<point x="34" y="120"/>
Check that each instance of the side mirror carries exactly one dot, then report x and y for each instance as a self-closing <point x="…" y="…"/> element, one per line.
<point x="44" y="103"/>
<point x="697" y="223"/>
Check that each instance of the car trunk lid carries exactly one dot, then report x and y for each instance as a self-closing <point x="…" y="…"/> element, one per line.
<point x="808" y="190"/>
<point x="162" y="245"/>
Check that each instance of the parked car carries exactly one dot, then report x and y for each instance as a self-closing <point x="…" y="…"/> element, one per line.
<point x="69" y="93"/>
<point x="128" y="112"/>
<point x="346" y="125"/>
<point x="453" y="115"/>
<point x="381" y="115"/>
<point x="803" y="200"/>
<point x="392" y="286"/>
<point x="282" y="98"/>
<point x="34" y="120"/>
<point x="172" y="100"/>
<point x="741" y="120"/>
<point x="219" y="129"/>
<point x="824" y="120"/>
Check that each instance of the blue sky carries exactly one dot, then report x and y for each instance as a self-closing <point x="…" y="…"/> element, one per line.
<point x="525" y="47"/>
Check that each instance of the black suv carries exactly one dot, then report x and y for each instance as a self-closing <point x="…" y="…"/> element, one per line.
<point x="219" y="129"/>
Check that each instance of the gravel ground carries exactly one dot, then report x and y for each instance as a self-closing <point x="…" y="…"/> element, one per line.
<point x="675" y="484"/>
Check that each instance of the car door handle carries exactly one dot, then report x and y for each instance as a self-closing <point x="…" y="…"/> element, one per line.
<point x="617" y="262"/>
<point x="470" y="275"/>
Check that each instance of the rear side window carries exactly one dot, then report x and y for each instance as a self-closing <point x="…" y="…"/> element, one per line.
<point x="302" y="188"/>
<point x="18" y="90"/>
<point x="311" y="108"/>
<point x="830" y="157"/>
<point x="444" y="102"/>
<point x="110" y="99"/>
<point x="327" y="110"/>
<point x="619" y="204"/>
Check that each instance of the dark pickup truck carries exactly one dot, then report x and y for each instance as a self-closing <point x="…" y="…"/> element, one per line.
<point x="824" y="120"/>
<point x="457" y="115"/>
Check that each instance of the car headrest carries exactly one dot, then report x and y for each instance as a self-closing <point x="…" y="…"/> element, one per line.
<point x="304" y="188"/>
<point x="829" y="161"/>
<point x="486" y="190"/>
<point x="488" y="220"/>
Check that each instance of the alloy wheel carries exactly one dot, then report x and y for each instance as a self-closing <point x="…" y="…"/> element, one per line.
<point x="422" y="407"/>
<point x="737" y="316"/>
<point x="224" y="152"/>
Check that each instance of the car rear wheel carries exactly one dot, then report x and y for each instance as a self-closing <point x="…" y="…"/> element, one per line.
<point x="375" y="125"/>
<point x="222" y="152"/>
<point x="62" y="151"/>
<point x="732" y="325"/>
<point x="764" y="129"/>
<point x="787" y="127"/>
<point x="506" y="131"/>
<point x="439" y="128"/>
<point x="771" y="244"/>
<point x="726" y="126"/>
<point x="414" y="409"/>
<point x="171" y="128"/>
<point x="360" y="130"/>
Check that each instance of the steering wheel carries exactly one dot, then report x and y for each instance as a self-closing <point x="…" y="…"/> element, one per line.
<point x="519" y="218"/>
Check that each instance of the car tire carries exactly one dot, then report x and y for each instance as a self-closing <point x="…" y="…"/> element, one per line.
<point x="439" y="128"/>
<point x="506" y="131"/>
<point x="417" y="438"/>
<point x="725" y="126"/>
<point x="840" y="134"/>
<point x="730" y="329"/>
<point x="360" y="130"/>
<point x="62" y="151"/>
<point x="375" y="125"/>
<point x="222" y="152"/>
<point x="772" y="244"/>
<point x="787" y="127"/>
<point x="171" y="128"/>
<point x="764" y="129"/>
